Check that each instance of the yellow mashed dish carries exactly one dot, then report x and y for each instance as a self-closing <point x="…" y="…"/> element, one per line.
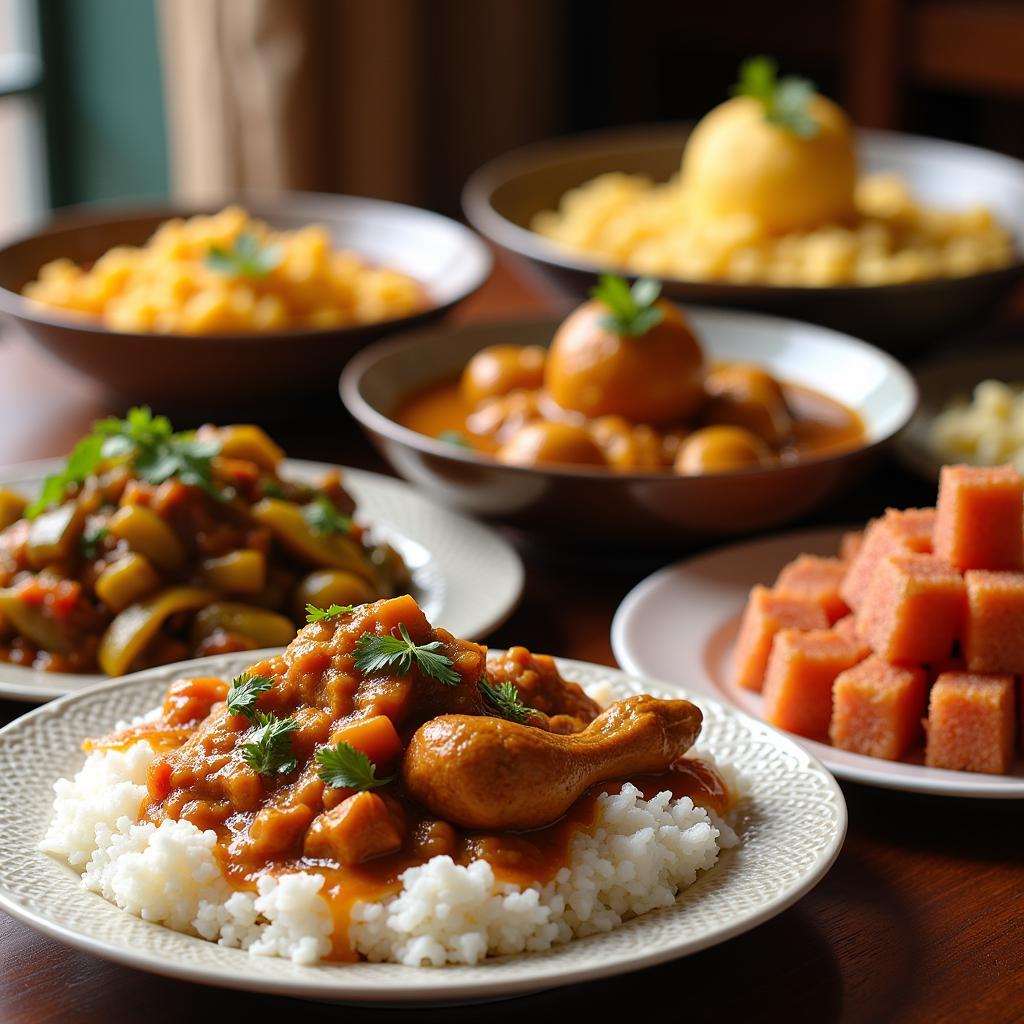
<point x="769" y="193"/>
<point x="228" y="274"/>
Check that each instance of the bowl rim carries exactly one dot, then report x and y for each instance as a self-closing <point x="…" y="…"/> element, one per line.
<point x="485" y="180"/>
<point x="372" y="420"/>
<point x="82" y="216"/>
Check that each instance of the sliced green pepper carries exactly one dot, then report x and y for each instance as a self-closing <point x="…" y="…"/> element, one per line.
<point x="149" y="535"/>
<point x="264" y="628"/>
<point x="126" y="580"/>
<point x="238" y="572"/>
<point x="333" y="550"/>
<point x="133" y="629"/>
<point x="12" y="507"/>
<point x="53" y="535"/>
<point x="32" y="622"/>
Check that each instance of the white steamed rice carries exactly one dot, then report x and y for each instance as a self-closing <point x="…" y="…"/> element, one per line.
<point x="640" y="854"/>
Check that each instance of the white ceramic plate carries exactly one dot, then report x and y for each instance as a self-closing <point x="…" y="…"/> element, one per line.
<point x="939" y="382"/>
<point x="792" y="823"/>
<point x="445" y="550"/>
<point x="680" y="625"/>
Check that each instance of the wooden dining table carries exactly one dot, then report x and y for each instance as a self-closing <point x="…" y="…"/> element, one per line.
<point x="921" y="919"/>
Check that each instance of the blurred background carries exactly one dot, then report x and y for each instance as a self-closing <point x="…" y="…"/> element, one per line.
<point x="402" y="99"/>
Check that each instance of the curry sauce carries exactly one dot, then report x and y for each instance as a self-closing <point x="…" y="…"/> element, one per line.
<point x="820" y="425"/>
<point x="288" y="817"/>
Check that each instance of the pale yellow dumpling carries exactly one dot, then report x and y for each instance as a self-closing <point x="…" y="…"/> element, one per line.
<point x="737" y="162"/>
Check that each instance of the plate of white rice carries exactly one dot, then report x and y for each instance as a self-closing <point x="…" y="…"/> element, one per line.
<point x="653" y="880"/>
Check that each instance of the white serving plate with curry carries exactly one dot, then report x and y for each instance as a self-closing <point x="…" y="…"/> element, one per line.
<point x="791" y="820"/>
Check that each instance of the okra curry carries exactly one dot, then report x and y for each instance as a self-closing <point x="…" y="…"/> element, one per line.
<point x="375" y="742"/>
<point x="625" y="386"/>
<point x="152" y="546"/>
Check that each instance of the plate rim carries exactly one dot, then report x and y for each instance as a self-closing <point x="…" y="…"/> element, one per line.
<point x="869" y="771"/>
<point x="454" y="984"/>
<point x="34" y="688"/>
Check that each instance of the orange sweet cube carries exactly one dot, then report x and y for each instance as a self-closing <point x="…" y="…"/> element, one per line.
<point x="817" y="578"/>
<point x="846" y="627"/>
<point x="850" y="544"/>
<point x="914" y="611"/>
<point x="970" y="723"/>
<point x="898" y="532"/>
<point x="994" y="633"/>
<point x="767" y="613"/>
<point x="798" y="681"/>
<point x="877" y="708"/>
<point x="978" y="517"/>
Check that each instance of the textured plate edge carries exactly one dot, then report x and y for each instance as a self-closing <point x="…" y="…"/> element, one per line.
<point x="461" y="990"/>
<point x="872" y="773"/>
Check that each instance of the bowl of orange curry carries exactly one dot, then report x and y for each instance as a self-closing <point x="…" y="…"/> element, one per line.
<point x="631" y="418"/>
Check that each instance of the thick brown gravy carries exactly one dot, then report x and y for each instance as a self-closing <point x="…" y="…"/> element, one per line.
<point x="821" y="425"/>
<point x="523" y="858"/>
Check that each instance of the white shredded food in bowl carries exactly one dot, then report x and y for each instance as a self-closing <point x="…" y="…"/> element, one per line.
<point x="638" y="856"/>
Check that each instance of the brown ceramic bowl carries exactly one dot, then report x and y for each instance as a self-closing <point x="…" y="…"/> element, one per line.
<point x="632" y="509"/>
<point x="502" y="198"/>
<point x="448" y="259"/>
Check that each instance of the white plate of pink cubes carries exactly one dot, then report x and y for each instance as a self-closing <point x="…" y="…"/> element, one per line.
<point x="927" y="669"/>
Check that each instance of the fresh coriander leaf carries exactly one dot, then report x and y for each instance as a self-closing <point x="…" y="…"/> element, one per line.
<point x="375" y="653"/>
<point x="246" y="257"/>
<point x="785" y="100"/>
<point x="148" y="443"/>
<point x="324" y="519"/>
<point x="89" y="542"/>
<point x="314" y="614"/>
<point x="245" y="691"/>
<point x="269" y="749"/>
<point x="504" y="699"/>
<point x="631" y="311"/>
<point x="82" y="461"/>
<point x="454" y="437"/>
<point x="344" y="767"/>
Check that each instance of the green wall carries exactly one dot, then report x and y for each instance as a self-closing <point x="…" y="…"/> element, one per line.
<point x="104" y="100"/>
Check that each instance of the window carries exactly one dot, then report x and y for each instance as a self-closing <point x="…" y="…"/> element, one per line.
<point x="22" y="164"/>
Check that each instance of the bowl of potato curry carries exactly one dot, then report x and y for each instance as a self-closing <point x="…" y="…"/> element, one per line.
<point x="631" y="418"/>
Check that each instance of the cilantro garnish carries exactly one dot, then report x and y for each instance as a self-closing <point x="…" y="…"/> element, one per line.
<point x="374" y="653"/>
<point x="505" y="701"/>
<point x="314" y="614"/>
<point x="344" y="767"/>
<point x="81" y="462"/>
<point x="632" y="311"/>
<point x="785" y="100"/>
<point x="269" y="749"/>
<point x="89" y="542"/>
<point x="454" y="437"/>
<point x="246" y="257"/>
<point x="245" y="691"/>
<point x="323" y="518"/>
<point x="147" y="443"/>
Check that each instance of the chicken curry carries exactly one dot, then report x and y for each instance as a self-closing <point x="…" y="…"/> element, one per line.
<point x="375" y="742"/>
